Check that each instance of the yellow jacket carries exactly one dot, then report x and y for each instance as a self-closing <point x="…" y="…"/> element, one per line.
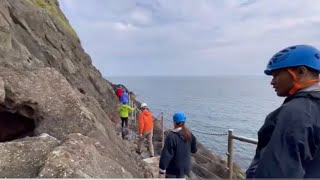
<point x="124" y="110"/>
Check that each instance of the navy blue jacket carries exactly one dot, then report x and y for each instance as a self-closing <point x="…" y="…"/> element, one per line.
<point x="289" y="140"/>
<point x="176" y="154"/>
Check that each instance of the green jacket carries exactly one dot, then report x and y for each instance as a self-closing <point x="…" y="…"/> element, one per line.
<point x="124" y="110"/>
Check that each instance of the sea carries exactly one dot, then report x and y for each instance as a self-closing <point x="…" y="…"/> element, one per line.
<point x="212" y="105"/>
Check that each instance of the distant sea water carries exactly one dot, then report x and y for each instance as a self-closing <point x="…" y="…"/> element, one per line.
<point x="211" y="104"/>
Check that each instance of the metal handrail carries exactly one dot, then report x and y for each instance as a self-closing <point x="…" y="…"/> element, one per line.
<point x="230" y="148"/>
<point x="245" y="139"/>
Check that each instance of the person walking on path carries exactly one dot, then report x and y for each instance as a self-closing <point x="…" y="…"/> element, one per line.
<point x="124" y="110"/>
<point x="289" y="140"/>
<point x="124" y="98"/>
<point x="145" y="121"/>
<point x="175" y="160"/>
<point x="119" y="92"/>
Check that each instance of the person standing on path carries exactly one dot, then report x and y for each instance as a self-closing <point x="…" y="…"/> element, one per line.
<point x="124" y="110"/>
<point x="119" y="92"/>
<point x="289" y="140"/>
<point x="175" y="160"/>
<point x="145" y="121"/>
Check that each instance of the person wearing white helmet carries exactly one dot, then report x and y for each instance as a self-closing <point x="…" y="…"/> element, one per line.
<point x="145" y="121"/>
<point x="289" y="140"/>
<point x="144" y="105"/>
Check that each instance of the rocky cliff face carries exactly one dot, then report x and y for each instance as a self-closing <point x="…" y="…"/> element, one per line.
<point x="35" y="34"/>
<point x="57" y="113"/>
<point x="56" y="110"/>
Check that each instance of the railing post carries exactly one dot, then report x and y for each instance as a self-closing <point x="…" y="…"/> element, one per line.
<point x="230" y="152"/>
<point x="131" y="105"/>
<point x="129" y="98"/>
<point x="132" y="113"/>
<point x="135" y="115"/>
<point x="162" y="119"/>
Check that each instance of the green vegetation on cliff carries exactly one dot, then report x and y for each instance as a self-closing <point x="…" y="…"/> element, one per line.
<point x="50" y="6"/>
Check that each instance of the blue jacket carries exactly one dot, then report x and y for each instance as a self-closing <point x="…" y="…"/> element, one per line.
<point x="289" y="140"/>
<point x="124" y="97"/>
<point x="176" y="154"/>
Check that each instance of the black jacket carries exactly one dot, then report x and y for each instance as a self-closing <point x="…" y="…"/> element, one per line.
<point x="176" y="154"/>
<point x="289" y="140"/>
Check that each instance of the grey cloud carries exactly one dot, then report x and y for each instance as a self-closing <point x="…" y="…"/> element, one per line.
<point x="200" y="36"/>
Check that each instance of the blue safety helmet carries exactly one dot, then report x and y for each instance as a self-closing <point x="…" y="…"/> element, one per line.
<point x="179" y="117"/>
<point x="299" y="55"/>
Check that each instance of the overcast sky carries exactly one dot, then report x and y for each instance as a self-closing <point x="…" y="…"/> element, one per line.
<point x="190" y="37"/>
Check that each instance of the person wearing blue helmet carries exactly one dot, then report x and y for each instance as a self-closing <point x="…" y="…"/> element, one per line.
<point x="175" y="160"/>
<point x="289" y="140"/>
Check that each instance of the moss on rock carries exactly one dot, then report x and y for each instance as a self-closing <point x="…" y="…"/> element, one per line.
<point x="51" y="7"/>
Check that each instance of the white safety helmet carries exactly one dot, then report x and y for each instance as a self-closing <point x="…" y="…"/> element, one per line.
<point x="144" y="105"/>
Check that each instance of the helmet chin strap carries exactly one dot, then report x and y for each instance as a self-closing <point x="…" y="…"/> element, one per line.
<point x="297" y="85"/>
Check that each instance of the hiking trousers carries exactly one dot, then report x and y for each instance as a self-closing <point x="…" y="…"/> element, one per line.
<point x="147" y="135"/>
<point x="124" y="120"/>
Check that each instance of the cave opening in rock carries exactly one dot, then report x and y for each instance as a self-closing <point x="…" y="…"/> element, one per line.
<point x="14" y="126"/>
<point x="81" y="90"/>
